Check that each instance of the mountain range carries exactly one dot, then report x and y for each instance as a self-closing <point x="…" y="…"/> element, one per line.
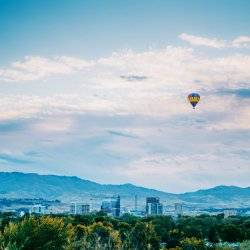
<point x="67" y="188"/>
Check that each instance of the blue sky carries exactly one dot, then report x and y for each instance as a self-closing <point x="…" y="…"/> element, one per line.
<point x="98" y="89"/>
<point x="96" y="28"/>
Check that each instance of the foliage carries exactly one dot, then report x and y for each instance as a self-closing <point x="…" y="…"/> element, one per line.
<point x="192" y="244"/>
<point x="101" y="232"/>
<point x="143" y="236"/>
<point x="245" y="245"/>
<point x="36" y="233"/>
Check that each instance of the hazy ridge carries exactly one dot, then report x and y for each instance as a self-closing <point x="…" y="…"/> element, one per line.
<point x="66" y="188"/>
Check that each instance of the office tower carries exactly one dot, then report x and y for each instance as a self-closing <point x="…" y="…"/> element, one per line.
<point x="178" y="209"/>
<point x="153" y="206"/>
<point x="112" y="206"/>
<point x="136" y="203"/>
<point x="79" y="208"/>
<point x="38" y="209"/>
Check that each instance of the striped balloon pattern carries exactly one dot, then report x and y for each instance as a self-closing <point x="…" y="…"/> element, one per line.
<point x="194" y="98"/>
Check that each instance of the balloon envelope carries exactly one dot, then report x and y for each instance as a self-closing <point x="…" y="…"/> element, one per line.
<point x="194" y="98"/>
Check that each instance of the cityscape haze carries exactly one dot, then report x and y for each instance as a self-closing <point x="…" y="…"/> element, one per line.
<point x="99" y="91"/>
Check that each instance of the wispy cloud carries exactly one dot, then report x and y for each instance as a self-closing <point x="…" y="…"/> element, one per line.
<point x="238" y="42"/>
<point x="182" y="149"/>
<point x="14" y="159"/>
<point x="203" y="41"/>
<point x="127" y="116"/>
<point x="171" y="73"/>
<point x="241" y="42"/>
<point x="10" y="126"/>
<point x="122" y="134"/>
<point x="133" y="78"/>
<point x="36" y="67"/>
<point x="239" y="92"/>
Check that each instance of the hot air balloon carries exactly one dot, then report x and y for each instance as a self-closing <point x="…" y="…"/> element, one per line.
<point x="193" y="98"/>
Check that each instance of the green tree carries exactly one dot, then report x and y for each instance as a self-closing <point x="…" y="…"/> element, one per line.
<point x="163" y="225"/>
<point x="124" y="230"/>
<point x="78" y="237"/>
<point x="175" y="237"/>
<point x="231" y="233"/>
<point x="213" y="235"/>
<point x="130" y="219"/>
<point x="36" y="233"/>
<point x="143" y="237"/>
<point x="192" y="244"/>
<point x="83" y="219"/>
<point x="5" y="218"/>
<point x="175" y="248"/>
<point x="224" y="248"/>
<point x="245" y="245"/>
<point x="103" y="237"/>
<point x="191" y="226"/>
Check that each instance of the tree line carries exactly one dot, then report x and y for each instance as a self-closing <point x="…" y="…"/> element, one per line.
<point x="101" y="232"/>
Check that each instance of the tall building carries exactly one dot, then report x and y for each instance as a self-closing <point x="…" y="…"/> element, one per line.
<point x="229" y="212"/>
<point x="106" y="207"/>
<point x="79" y="208"/>
<point x="112" y="206"/>
<point x="178" y="209"/>
<point x="116" y="206"/>
<point x="136" y="203"/>
<point x="153" y="206"/>
<point x="38" y="209"/>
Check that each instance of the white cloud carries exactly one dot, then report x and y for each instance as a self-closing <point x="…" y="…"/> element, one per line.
<point x="173" y="69"/>
<point x="36" y="67"/>
<point x="203" y="41"/>
<point x="241" y="42"/>
<point x="28" y="106"/>
<point x="166" y="77"/>
<point x="239" y="118"/>
<point x="178" y="172"/>
<point x="68" y="117"/>
<point x="238" y="42"/>
<point x="54" y="125"/>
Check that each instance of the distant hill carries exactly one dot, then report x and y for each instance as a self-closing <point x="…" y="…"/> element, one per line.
<point x="220" y="195"/>
<point x="66" y="188"/>
<point x="16" y="185"/>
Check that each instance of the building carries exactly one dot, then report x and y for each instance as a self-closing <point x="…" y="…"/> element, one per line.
<point x="38" y="209"/>
<point x="116" y="206"/>
<point x="153" y="206"/>
<point x="228" y="213"/>
<point x="106" y="207"/>
<point x="136" y="203"/>
<point x="112" y="207"/>
<point x="79" y="208"/>
<point x="57" y="209"/>
<point x="178" y="209"/>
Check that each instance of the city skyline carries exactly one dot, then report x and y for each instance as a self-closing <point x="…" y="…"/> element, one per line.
<point x="99" y="90"/>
